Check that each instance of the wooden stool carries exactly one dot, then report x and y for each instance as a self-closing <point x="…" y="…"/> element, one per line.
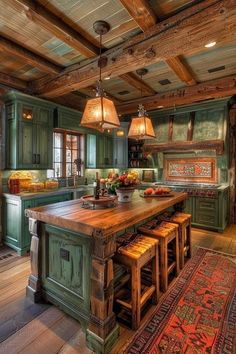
<point x="165" y="233"/>
<point x="183" y="220"/>
<point x="136" y="254"/>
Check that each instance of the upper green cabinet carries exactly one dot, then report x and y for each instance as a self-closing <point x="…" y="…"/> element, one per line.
<point x="99" y="151"/>
<point x="29" y="126"/>
<point x="120" y="146"/>
<point x="68" y="119"/>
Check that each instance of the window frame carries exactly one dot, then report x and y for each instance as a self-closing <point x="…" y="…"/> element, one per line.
<point x="81" y="152"/>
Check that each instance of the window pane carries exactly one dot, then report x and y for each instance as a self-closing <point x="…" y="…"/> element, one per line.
<point x="58" y="169"/>
<point x="74" y="155"/>
<point x="68" y="155"/>
<point x="58" y="140"/>
<point x="68" y="169"/>
<point x="57" y="155"/>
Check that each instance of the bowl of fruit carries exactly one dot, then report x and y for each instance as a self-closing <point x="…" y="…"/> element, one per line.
<point x="157" y="192"/>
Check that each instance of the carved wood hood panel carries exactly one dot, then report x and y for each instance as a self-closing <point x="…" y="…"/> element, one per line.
<point x="191" y="170"/>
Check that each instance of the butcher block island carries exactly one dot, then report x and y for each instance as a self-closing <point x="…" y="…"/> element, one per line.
<point x="71" y="258"/>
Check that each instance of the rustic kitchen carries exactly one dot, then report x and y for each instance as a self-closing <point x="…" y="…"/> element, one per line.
<point x="117" y="176"/>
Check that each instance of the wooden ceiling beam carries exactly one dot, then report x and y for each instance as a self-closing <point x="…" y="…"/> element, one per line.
<point x="187" y="95"/>
<point x="70" y="100"/>
<point x="12" y="82"/>
<point x="184" y="33"/>
<point x="141" y="12"/>
<point x="28" y="57"/>
<point x="181" y="70"/>
<point x="46" y="19"/>
<point x="137" y="83"/>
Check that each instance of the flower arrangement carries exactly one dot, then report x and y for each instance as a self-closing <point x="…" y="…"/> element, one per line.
<point x="126" y="180"/>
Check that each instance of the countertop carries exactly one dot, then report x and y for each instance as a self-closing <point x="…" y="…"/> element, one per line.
<point x="218" y="187"/>
<point x="72" y="216"/>
<point x="30" y="195"/>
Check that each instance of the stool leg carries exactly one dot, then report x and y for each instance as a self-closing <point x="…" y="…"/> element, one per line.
<point x="189" y="240"/>
<point x="181" y="245"/>
<point x="164" y="265"/>
<point x="176" y="252"/>
<point x="136" y="295"/>
<point x="155" y="277"/>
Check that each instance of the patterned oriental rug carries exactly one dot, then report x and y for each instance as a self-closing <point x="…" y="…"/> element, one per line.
<point x="198" y="312"/>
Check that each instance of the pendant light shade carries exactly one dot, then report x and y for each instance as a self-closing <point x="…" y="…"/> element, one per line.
<point x="100" y="112"/>
<point x="141" y="127"/>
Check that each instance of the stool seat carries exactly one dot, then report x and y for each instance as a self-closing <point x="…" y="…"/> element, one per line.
<point x="183" y="220"/>
<point x="167" y="235"/>
<point x="140" y="251"/>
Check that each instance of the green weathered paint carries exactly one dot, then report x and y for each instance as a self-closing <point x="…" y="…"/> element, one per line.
<point x="15" y="224"/>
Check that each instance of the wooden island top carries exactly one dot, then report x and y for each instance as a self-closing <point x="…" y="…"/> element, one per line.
<point x="72" y="251"/>
<point x="71" y="215"/>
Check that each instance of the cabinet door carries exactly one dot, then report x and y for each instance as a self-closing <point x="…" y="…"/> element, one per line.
<point x="26" y="148"/>
<point x="108" y="151"/>
<point x="100" y="153"/>
<point x="206" y="212"/>
<point x="44" y="138"/>
<point x="91" y="151"/>
<point x="12" y="223"/>
<point x="120" y="153"/>
<point x="53" y="199"/>
<point x="44" y="146"/>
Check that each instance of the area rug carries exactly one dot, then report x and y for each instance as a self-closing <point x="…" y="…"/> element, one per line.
<point x="198" y="312"/>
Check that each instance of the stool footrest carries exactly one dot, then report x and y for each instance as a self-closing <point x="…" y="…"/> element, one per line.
<point x="147" y="294"/>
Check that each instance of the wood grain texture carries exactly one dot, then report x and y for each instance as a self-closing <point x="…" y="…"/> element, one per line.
<point x="217" y="145"/>
<point x="55" y="25"/>
<point x="208" y="90"/>
<point x="187" y="36"/>
<point x="12" y="82"/>
<point x="139" y="84"/>
<point x="70" y="215"/>
<point x="29" y="56"/>
<point x="141" y="12"/>
<point x="181" y="70"/>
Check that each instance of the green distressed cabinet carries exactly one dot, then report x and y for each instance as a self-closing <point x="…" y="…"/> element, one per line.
<point x="66" y="268"/>
<point x="29" y="127"/>
<point x="99" y="151"/>
<point x="68" y="119"/>
<point x="120" y="146"/>
<point x="15" y="224"/>
<point x="209" y="213"/>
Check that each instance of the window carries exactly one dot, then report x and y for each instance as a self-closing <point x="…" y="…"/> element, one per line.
<point x="68" y="153"/>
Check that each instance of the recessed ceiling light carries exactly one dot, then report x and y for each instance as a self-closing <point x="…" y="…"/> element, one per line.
<point x="107" y="78"/>
<point x="209" y="45"/>
<point x="160" y="106"/>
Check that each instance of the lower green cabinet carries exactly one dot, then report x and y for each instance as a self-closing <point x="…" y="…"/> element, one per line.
<point x="209" y="213"/>
<point x="15" y="224"/>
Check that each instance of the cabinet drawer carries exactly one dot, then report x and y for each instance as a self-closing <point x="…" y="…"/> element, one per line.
<point x="206" y="204"/>
<point x="206" y="219"/>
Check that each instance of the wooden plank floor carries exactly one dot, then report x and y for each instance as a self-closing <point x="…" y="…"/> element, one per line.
<point x="29" y="328"/>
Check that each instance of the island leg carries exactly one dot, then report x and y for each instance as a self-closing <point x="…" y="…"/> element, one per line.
<point x="33" y="290"/>
<point x="103" y="330"/>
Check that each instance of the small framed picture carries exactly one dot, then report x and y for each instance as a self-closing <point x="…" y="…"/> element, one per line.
<point x="148" y="176"/>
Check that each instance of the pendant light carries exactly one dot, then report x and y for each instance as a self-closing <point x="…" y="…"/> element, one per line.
<point x="100" y="112"/>
<point x="141" y="127"/>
